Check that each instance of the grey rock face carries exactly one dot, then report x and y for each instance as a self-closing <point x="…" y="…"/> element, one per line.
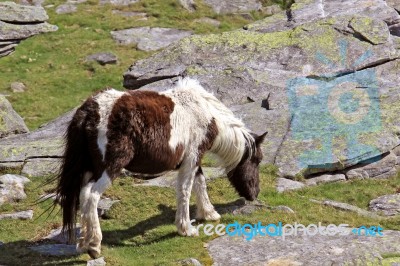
<point x="37" y="151"/>
<point x="10" y="122"/>
<point x="12" y="188"/>
<point x="23" y="215"/>
<point x="189" y="262"/>
<point x="325" y="179"/>
<point x="18" y="22"/>
<point x="388" y="204"/>
<point x="103" y="58"/>
<point x="66" y="9"/>
<point x="149" y="39"/>
<point x="233" y="6"/>
<point x="289" y="78"/>
<point x="315" y="250"/>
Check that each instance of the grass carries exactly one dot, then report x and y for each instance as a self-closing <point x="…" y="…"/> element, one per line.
<point x="140" y="229"/>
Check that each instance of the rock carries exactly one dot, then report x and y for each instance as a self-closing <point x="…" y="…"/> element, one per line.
<point x="271" y="10"/>
<point x="56" y="249"/>
<point x="347" y="207"/>
<point x="284" y="184"/>
<point x="97" y="262"/>
<point x="18" y="22"/>
<point x="210" y="21"/>
<point x="18" y="86"/>
<point x="23" y="215"/>
<point x="394" y="3"/>
<point x="242" y="206"/>
<point x="344" y="248"/>
<point x="12" y="12"/>
<point x="66" y="9"/>
<point x="283" y="208"/>
<point x="189" y="5"/>
<point x="280" y="75"/>
<point x="385" y="164"/>
<point x="140" y="15"/>
<point x="388" y="204"/>
<point x="233" y="6"/>
<point x="169" y="179"/>
<point x="325" y="179"/>
<point x="189" y="262"/>
<point x="57" y="235"/>
<point x="118" y="2"/>
<point x="149" y="39"/>
<point x="32" y="2"/>
<point x="41" y="167"/>
<point x="104" y="206"/>
<point x="103" y="58"/>
<point x="12" y="188"/>
<point x="45" y="143"/>
<point x="10" y="122"/>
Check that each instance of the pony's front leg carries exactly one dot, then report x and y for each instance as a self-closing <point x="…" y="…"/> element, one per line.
<point x="204" y="209"/>
<point x="183" y="190"/>
<point x="91" y="235"/>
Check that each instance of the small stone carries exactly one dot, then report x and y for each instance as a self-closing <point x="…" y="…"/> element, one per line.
<point x="284" y="184"/>
<point x="327" y="178"/>
<point x="97" y="262"/>
<point x="23" y="215"/>
<point x="388" y="205"/>
<point x="141" y="15"/>
<point x="56" y="249"/>
<point x="66" y="9"/>
<point x="118" y="2"/>
<point x="10" y="121"/>
<point x="189" y="262"/>
<point x="18" y="87"/>
<point x="104" y="206"/>
<point x="57" y="235"/>
<point x="189" y="5"/>
<point x="103" y="58"/>
<point x="283" y="208"/>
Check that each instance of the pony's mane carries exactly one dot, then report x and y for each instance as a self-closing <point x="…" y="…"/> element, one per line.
<point x="233" y="138"/>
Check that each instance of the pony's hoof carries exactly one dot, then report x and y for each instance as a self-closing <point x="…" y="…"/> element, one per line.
<point x="208" y="216"/>
<point x="94" y="254"/>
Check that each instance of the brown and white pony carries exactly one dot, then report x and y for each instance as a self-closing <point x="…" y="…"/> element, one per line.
<point x="150" y="133"/>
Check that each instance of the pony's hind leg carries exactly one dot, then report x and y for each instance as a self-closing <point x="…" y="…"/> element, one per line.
<point x="205" y="210"/>
<point x="91" y="233"/>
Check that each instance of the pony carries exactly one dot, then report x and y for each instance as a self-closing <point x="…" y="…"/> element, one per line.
<point x="150" y="133"/>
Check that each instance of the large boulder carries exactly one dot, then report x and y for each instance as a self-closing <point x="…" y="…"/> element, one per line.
<point x="10" y="122"/>
<point x="37" y="153"/>
<point x="324" y="84"/>
<point x="18" y="22"/>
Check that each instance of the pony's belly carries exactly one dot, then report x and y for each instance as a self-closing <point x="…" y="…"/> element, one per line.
<point x="148" y="169"/>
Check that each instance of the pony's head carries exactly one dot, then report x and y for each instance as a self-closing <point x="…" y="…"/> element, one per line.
<point x="245" y="176"/>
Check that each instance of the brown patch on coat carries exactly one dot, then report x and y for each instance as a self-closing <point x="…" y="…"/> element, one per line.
<point x="212" y="133"/>
<point x="139" y="130"/>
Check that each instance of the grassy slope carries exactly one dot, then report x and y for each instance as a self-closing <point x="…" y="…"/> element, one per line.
<point x="140" y="229"/>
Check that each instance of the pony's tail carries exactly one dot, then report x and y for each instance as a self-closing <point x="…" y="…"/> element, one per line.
<point x="75" y="163"/>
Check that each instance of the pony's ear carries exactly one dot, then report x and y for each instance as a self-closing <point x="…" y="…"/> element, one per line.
<point x="261" y="138"/>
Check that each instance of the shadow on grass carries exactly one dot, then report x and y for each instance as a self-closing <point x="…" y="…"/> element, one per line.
<point x="166" y="217"/>
<point x="18" y="253"/>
